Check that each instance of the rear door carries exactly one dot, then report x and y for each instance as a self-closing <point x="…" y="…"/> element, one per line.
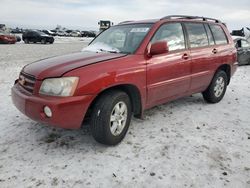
<point x="224" y="51"/>
<point x="168" y="75"/>
<point x="203" y="53"/>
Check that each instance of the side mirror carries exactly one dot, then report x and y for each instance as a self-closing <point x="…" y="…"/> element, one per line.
<point x="159" y="47"/>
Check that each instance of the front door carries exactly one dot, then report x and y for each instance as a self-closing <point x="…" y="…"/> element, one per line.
<point x="168" y="75"/>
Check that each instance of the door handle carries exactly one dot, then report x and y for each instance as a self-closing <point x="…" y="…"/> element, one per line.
<point x="214" y="51"/>
<point x="185" y="56"/>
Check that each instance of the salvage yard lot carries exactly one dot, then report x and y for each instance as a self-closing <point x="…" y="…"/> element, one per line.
<point x="184" y="143"/>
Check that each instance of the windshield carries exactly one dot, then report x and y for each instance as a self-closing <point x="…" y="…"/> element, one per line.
<point x="119" y="39"/>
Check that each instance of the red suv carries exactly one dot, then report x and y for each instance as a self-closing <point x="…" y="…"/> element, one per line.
<point x="128" y="68"/>
<point x="6" y="38"/>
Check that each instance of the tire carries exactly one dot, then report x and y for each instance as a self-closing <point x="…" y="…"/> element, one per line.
<point x="105" y="121"/>
<point x="43" y="41"/>
<point x="217" y="88"/>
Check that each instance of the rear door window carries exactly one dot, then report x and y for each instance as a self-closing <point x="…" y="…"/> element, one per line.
<point x="219" y="34"/>
<point x="197" y="35"/>
<point x="173" y="34"/>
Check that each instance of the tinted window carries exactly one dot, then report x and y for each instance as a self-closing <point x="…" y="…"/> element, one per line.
<point x="219" y="35"/>
<point x="197" y="35"/>
<point x="173" y="34"/>
<point x="209" y="35"/>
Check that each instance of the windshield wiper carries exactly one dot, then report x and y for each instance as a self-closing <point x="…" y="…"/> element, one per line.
<point x="110" y="51"/>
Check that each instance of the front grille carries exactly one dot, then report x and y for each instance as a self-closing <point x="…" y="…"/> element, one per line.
<point x="27" y="82"/>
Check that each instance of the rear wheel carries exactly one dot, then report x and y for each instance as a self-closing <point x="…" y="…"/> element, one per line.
<point x="217" y="88"/>
<point x="111" y="117"/>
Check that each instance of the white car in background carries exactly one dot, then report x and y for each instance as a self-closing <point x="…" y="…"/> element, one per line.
<point x="75" y="34"/>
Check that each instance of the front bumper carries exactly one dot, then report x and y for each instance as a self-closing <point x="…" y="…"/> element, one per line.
<point x="67" y="112"/>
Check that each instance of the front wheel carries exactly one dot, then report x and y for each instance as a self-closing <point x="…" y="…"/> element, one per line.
<point x="111" y="117"/>
<point x="217" y="88"/>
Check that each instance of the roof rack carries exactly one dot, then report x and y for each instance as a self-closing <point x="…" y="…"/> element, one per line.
<point x="190" y="17"/>
<point x="125" y="22"/>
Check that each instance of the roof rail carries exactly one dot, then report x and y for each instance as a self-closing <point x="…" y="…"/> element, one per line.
<point x="190" y="17"/>
<point x="125" y="22"/>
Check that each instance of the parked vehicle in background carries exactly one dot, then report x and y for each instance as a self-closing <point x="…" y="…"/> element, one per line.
<point x="88" y="34"/>
<point x="244" y="32"/>
<point x="128" y="68"/>
<point x="16" y="30"/>
<point x="37" y="37"/>
<point x="54" y="32"/>
<point x="104" y="24"/>
<point x="75" y="34"/>
<point x="6" y="38"/>
<point x="2" y="27"/>
<point x="48" y="32"/>
<point x="243" y="51"/>
<point x="62" y="33"/>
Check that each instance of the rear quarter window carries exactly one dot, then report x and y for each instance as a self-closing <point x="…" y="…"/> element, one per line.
<point x="219" y="34"/>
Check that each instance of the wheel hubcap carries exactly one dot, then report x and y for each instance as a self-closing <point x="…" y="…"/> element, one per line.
<point x="219" y="87"/>
<point x="118" y="118"/>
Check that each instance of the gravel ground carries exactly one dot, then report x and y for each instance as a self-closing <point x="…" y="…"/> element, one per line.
<point x="185" y="143"/>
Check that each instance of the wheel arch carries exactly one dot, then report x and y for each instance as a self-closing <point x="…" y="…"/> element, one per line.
<point x="132" y="91"/>
<point x="227" y="69"/>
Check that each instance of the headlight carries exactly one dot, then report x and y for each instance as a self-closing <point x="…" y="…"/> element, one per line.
<point x="64" y="86"/>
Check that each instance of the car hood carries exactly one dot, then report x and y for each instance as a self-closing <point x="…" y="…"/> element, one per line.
<point x="57" y="66"/>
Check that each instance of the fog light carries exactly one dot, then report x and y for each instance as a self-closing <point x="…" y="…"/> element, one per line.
<point x="47" y="111"/>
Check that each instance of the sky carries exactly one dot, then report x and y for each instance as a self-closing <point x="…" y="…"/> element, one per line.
<point x="81" y="14"/>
